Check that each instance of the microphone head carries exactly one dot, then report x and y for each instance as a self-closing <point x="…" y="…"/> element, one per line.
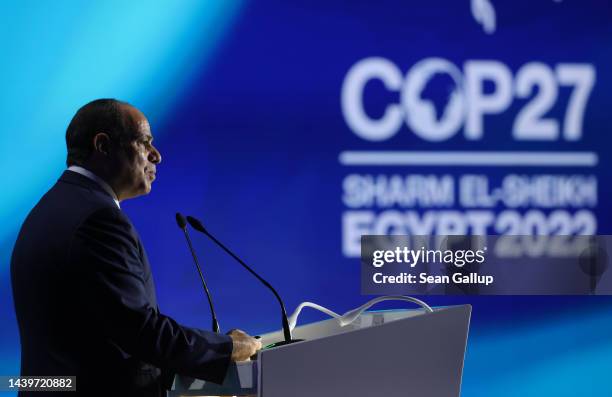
<point x="196" y="224"/>
<point x="180" y="221"/>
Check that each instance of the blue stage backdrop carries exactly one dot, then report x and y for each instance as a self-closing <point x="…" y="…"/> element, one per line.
<point x="291" y="129"/>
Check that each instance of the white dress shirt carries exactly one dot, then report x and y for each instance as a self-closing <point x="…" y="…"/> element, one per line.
<point x="97" y="179"/>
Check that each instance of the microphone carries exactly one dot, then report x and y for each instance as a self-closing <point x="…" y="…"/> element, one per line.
<point x="180" y="221"/>
<point x="197" y="225"/>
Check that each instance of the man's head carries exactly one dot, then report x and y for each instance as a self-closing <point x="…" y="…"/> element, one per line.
<point x="113" y="140"/>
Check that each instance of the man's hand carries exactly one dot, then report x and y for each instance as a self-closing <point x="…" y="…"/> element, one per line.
<point x="244" y="345"/>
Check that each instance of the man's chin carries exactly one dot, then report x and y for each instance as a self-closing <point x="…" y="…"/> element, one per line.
<point x="146" y="188"/>
<point x="141" y="191"/>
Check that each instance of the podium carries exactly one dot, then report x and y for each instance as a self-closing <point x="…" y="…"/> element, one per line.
<point x="384" y="353"/>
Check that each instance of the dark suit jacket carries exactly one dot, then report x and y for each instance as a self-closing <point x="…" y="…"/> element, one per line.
<point x="86" y="305"/>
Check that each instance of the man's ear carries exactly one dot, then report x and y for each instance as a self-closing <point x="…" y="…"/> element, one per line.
<point x="101" y="142"/>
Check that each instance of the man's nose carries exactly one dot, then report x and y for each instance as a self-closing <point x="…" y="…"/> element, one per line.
<point x="154" y="155"/>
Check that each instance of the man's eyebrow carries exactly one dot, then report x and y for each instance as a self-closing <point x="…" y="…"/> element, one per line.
<point x="144" y="137"/>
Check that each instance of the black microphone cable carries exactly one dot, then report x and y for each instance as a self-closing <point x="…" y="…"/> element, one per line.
<point x="197" y="225"/>
<point x="180" y="221"/>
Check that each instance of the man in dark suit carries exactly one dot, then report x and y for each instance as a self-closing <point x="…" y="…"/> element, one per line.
<point x="82" y="284"/>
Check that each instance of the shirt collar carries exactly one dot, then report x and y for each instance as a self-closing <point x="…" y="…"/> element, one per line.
<point x="97" y="179"/>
